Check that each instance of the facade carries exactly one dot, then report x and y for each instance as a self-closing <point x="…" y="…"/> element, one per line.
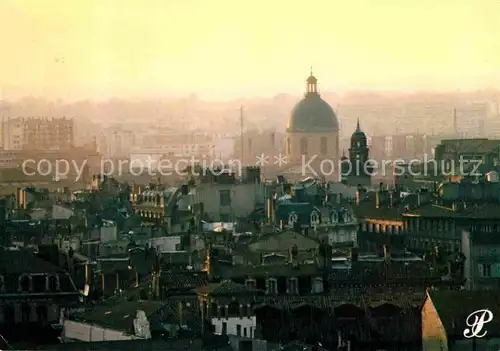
<point x="313" y="130"/>
<point x="38" y="134"/>
<point x="33" y="293"/>
<point x="452" y="151"/>
<point x="227" y="202"/>
<point x="401" y="147"/>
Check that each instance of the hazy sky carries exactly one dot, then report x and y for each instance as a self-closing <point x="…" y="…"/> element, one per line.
<point x="100" y="48"/>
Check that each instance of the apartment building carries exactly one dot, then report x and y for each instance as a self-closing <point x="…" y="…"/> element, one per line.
<point x="37" y="133"/>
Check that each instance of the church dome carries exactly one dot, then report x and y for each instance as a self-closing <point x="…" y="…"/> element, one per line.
<point x="312" y="113"/>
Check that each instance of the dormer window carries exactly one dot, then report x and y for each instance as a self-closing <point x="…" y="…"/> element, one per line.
<point x="334" y="217"/>
<point x="292" y="218"/>
<point x="314" y="218"/>
<point x="251" y="284"/>
<point x="317" y="285"/>
<point x="346" y="215"/>
<point x="272" y="286"/>
<point x="52" y="283"/>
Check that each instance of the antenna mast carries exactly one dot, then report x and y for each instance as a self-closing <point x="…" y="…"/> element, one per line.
<point x="455" y="130"/>
<point x="241" y="133"/>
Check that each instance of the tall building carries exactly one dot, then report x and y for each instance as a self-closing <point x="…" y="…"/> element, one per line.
<point x="35" y="133"/>
<point x="359" y="167"/>
<point x="313" y="130"/>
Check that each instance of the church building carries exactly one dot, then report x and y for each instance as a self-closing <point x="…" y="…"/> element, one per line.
<point x="357" y="169"/>
<point x="312" y="133"/>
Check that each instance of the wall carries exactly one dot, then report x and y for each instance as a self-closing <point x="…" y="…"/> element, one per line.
<point x="294" y="151"/>
<point x="232" y="322"/>
<point x="166" y="243"/>
<point x="343" y="235"/>
<point x="433" y="332"/>
<point x="88" y="332"/>
<point x="243" y="199"/>
<point x="108" y="233"/>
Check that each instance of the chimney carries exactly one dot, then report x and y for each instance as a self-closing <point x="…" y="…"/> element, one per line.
<point x="269" y="209"/>
<point x="418" y="199"/>
<point x="386" y="252"/>
<point x="391" y="198"/>
<point x="377" y="199"/>
<point x="358" y="195"/>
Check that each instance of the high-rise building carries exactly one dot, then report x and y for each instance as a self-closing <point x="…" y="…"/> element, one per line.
<point x="37" y="133"/>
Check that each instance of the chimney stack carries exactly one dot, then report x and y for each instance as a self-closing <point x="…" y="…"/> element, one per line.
<point x="377" y="199"/>
<point x="418" y="199"/>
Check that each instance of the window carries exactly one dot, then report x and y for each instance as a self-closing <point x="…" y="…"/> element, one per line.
<point x="25" y="283"/>
<point x="2" y="283"/>
<point x="238" y="330"/>
<point x="225" y="197"/>
<point x="318" y="285"/>
<point x="25" y="312"/>
<point x="251" y="332"/>
<point x="484" y="270"/>
<point x="52" y="283"/>
<point x="288" y="146"/>
<point x="293" y="286"/>
<point x="251" y="284"/>
<point x="323" y="146"/>
<point x="272" y="286"/>
<point x="303" y="146"/>
<point x="224" y="328"/>
<point x="245" y="332"/>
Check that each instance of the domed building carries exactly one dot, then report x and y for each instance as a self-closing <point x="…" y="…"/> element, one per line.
<point x="313" y="128"/>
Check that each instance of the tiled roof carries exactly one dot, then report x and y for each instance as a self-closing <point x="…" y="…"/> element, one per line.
<point x="342" y="298"/>
<point x="140" y="345"/>
<point x="483" y="211"/>
<point x="183" y="280"/>
<point x="119" y="314"/>
<point x="24" y="261"/>
<point x="470" y="145"/>
<point x="453" y="309"/>
<point x="225" y="287"/>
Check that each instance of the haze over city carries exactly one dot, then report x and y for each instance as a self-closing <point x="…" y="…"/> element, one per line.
<point x="227" y="49"/>
<point x="250" y="175"/>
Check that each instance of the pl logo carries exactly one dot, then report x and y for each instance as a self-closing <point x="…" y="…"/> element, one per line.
<point x="476" y="322"/>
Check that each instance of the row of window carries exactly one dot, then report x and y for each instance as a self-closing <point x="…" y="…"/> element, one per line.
<point x="25" y="283"/>
<point x="489" y="270"/>
<point x="292" y="286"/>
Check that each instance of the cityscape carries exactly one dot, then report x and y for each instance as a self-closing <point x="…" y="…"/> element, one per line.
<point x="233" y="185"/>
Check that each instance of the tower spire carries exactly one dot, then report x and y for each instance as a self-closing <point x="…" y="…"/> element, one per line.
<point x="358" y="128"/>
<point x="311" y="71"/>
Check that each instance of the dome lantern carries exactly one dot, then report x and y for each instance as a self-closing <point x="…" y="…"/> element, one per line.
<point x="312" y="84"/>
<point x="312" y="114"/>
